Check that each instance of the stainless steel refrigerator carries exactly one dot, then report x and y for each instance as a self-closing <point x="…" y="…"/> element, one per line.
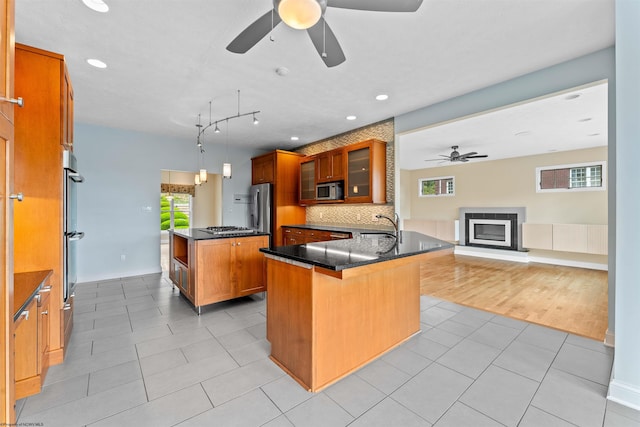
<point x="260" y="209"/>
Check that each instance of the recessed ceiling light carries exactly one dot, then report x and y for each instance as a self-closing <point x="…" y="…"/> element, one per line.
<point x="97" y="5"/>
<point x="382" y="97"/>
<point x="351" y="117"/>
<point x="97" y="63"/>
<point x="294" y="138"/>
<point x="282" y="71"/>
<point x="586" y="119"/>
<point x="572" y="96"/>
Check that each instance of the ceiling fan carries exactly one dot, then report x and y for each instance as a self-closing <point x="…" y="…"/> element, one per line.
<point x="309" y="15"/>
<point x="455" y="156"/>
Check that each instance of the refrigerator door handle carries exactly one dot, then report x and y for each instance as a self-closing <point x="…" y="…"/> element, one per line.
<point x="257" y="210"/>
<point x="77" y="235"/>
<point x="76" y="177"/>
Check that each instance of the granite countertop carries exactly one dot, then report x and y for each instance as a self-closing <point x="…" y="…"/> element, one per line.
<point x="25" y="287"/>
<point x="203" y="234"/>
<point x="342" y="228"/>
<point x="364" y="248"/>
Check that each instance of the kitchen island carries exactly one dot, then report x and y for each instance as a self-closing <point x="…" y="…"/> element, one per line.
<point x="335" y="306"/>
<point x="209" y="266"/>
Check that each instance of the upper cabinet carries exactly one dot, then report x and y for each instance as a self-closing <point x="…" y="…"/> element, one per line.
<point x="263" y="168"/>
<point x="361" y="166"/>
<point x="307" y="180"/>
<point x="366" y="180"/>
<point x="330" y="165"/>
<point x="66" y="99"/>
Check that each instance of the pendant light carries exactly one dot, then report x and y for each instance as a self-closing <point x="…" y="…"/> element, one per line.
<point x="201" y="176"/>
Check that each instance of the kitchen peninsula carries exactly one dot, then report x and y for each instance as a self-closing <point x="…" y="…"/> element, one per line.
<point x="334" y="306"/>
<point x="215" y="264"/>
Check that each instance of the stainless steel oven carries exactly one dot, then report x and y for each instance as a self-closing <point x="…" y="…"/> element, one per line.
<point x="71" y="234"/>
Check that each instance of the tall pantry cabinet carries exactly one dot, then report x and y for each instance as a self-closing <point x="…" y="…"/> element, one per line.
<point x="43" y="130"/>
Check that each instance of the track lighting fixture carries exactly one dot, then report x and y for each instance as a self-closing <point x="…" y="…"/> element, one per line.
<point x="255" y="120"/>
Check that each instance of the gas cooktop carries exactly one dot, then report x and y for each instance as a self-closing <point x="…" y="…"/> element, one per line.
<point x="228" y="229"/>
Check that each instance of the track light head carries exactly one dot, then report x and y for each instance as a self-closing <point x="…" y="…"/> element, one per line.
<point x="255" y="120"/>
<point x="217" y="129"/>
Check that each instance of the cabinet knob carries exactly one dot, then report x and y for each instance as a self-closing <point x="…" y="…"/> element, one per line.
<point x="45" y="312"/>
<point x="238" y="243"/>
<point x="25" y="314"/>
<point x="19" y="197"/>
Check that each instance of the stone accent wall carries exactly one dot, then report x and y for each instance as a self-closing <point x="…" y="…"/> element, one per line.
<point x="356" y="213"/>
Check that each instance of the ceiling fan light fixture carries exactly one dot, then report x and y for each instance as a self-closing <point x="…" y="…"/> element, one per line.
<point x="382" y="97"/>
<point x="300" y="14"/>
<point x="97" y="5"/>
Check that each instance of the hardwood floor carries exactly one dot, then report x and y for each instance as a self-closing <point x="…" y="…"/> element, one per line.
<point x="566" y="298"/>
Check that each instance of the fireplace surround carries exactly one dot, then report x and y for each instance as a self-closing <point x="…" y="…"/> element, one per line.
<point x="493" y="228"/>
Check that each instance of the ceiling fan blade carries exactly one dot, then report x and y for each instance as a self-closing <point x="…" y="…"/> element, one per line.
<point x="377" y="5"/>
<point x="473" y="153"/>
<point x="254" y="32"/>
<point x="479" y="156"/>
<point x="462" y="159"/>
<point x="326" y="43"/>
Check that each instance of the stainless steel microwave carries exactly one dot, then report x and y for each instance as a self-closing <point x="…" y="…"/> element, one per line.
<point x="329" y="191"/>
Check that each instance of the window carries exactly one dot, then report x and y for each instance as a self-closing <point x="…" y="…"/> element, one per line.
<point x="579" y="177"/>
<point x="181" y="210"/>
<point x="440" y="186"/>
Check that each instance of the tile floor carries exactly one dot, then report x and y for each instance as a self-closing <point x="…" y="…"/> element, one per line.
<point x="140" y="356"/>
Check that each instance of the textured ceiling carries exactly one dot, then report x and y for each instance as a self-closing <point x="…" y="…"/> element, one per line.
<point x="167" y="60"/>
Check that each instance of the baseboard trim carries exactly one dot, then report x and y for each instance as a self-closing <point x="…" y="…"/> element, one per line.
<point x="609" y="338"/>
<point x="525" y="257"/>
<point x="624" y="394"/>
<point x="107" y="277"/>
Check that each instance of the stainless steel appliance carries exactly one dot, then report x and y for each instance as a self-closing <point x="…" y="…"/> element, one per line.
<point x="329" y="191"/>
<point x="70" y="232"/>
<point x="260" y="208"/>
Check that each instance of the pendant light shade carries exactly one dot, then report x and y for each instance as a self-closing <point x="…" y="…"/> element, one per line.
<point x="203" y="175"/>
<point x="226" y="170"/>
<point x="197" y="179"/>
<point x="300" y="14"/>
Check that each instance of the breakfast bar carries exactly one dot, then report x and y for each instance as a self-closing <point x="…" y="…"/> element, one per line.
<point x="334" y="306"/>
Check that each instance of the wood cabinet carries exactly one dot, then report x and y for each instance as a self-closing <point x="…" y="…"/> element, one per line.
<point x="7" y="40"/>
<point x="330" y="165"/>
<point x="214" y="270"/>
<point x="308" y="181"/>
<point x="263" y="169"/>
<point x="32" y="337"/>
<point x="299" y="236"/>
<point x="43" y="129"/>
<point x="366" y="180"/>
<point x="285" y="190"/>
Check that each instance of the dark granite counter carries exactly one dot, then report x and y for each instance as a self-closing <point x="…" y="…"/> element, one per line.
<point x="366" y="247"/>
<point x="342" y="228"/>
<point x="25" y="287"/>
<point x="204" y="234"/>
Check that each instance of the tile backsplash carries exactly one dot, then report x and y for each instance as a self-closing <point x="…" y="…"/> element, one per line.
<point x="356" y="214"/>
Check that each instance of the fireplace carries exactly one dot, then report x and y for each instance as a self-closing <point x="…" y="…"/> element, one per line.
<point x="495" y="228"/>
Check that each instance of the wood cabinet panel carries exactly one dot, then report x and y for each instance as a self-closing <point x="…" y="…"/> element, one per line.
<point x="7" y="39"/>
<point x="298" y="236"/>
<point x="308" y="181"/>
<point x="366" y="176"/>
<point x="597" y="239"/>
<point x="218" y="269"/>
<point x="26" y="339"/>
<point x="580" y="238"/>
<point x="263" y="169"/>
<point x="43" y="127"/>
<point x="330" y="165"/>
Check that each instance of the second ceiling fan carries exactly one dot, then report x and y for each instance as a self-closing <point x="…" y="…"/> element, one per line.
<point x="455" y="156"/>
<point x="309" y="15"/>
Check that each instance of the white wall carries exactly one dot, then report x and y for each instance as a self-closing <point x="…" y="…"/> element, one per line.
<point x="625" y="384"/>
<point x="118" y="205"/>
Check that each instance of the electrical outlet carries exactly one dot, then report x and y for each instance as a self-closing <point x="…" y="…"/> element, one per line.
<point x="373" y="218"/>
<point x="321" y="215"/>
<point x="357" y="217"/>
<point x="123" y="257"/>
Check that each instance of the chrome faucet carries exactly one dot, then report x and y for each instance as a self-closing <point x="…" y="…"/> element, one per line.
<point x="395" y="223"/>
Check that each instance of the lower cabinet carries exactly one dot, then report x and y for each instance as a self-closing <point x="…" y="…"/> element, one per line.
<point x="32" y="345"/>
<point x="299" y="236"/>
<point x="221" y="269"/>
